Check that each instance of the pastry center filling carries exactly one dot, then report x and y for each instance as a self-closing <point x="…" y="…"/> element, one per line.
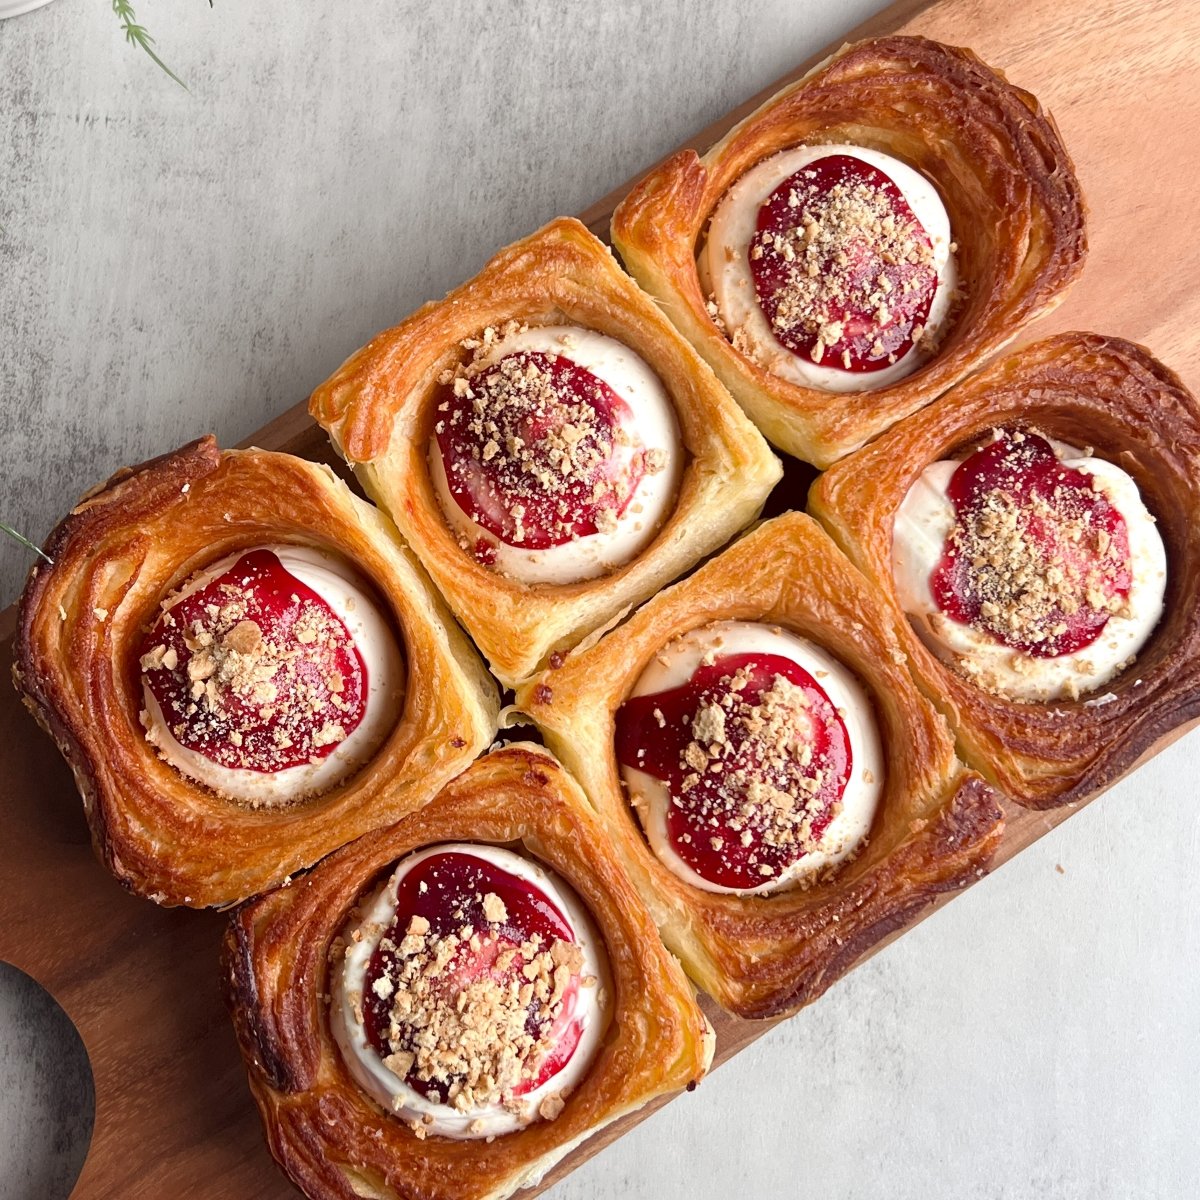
<point x="756" y="760"/>
<point x="1038" y="557"/>
<point x="842" y="267"/>
<point x="254" y="670"/>
<point x="472" y="992"/>
<point x="540" y="451"/>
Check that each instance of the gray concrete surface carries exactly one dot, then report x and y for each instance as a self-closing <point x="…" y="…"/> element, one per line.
<point x="173" y="262"/>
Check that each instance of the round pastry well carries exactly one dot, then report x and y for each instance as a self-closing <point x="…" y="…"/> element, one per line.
<point x="1165" y="488"/>
<point x="528" y="890"/>
<point x="869" y="726"/>
<point x="328" y="570"/>
<point x="584" y="312"/>
<point x="956" y="184"/>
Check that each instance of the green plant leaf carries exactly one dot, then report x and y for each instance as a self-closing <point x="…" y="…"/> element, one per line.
<point x="24" y="541"/>
<point x="138" y="35"/>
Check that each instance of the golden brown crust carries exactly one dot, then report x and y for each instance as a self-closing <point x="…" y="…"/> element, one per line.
<point x="995" y="156"/>
<point x="81" y="622"/>
<point x="333" y="1140"/>
<point x="1085" y="390"/>
<point x="379" y="411"/>
<point x="937" y="824"/>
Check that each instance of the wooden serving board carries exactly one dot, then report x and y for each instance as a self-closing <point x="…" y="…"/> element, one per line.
<point x="173" y="1113"/>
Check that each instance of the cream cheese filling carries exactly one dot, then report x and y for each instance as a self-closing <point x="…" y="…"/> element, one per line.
<point x="676" y="665"/>
<point x="393" y="1093"/>
<point x="725" y="273"/>
<point x="654" y="423"/>
<point x="345" y="593"/>
<point x="926" y="518"/>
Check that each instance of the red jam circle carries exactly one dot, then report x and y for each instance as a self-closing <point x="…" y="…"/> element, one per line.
<point x="653" y="731"/>
<point x="282" y="694"/>
<point x="537" y="466"/>
<point x="1064" y="520"/>
<point x="447" y="889"/>
<point x="825" y="259"/>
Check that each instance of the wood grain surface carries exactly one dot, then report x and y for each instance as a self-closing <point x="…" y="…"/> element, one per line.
<point x="173" y="1115"/>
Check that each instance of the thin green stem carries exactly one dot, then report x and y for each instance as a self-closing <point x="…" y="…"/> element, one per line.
<point x="24" y="541"/>
<point x="137" y="35"/>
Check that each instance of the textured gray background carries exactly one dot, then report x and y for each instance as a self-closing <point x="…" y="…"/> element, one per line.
<point x="176" y="262"/>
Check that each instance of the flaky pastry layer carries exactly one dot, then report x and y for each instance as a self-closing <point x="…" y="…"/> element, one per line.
<point x="937" y="824"/>
<point x="380" y="408"/>
<point x="1088" y="391"/>
<point x="326" y="1133"/>
<point x="81" y="622"/>
<point x="1008" y="184"/>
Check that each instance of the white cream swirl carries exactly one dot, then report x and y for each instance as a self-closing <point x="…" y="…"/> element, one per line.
<point x="724" y="265"/>
<point x="676" y="665"/>
<point x="927" y="517"/>
<point x="592" y="1010"/>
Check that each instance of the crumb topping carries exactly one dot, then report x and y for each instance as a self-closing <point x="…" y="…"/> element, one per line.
<point x="253" y="676"/>
<point x="755" y="760"/>
<point x="762" y="751"/>
<point x="843" y="269"/>
<point x="1025" y="593"/>
<point x="537" y="449"/>
<point x="472" y="1014"/>
<point x="474" y="1040"/>
<point x="1038" y="556"/>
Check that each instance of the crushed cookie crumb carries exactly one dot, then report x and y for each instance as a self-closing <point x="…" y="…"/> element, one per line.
<point x="748" y="778"/>
<point x="559" y="463"/>
<point x="494" y="908"/>
<point x="1031" y="560"/>
<point x="246" y="688"/>
<point x="472" y="1040"/>
<point x="838" y="252"/>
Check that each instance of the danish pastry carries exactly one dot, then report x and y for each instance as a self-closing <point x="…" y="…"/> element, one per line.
<point x="244" y="668"/>
<point x="779" y="790"/>
<point x="447" y="1006"/>
<point x="861" y="240"/>
<point x="549" y="446"/>
<point x="1031" y="533"/>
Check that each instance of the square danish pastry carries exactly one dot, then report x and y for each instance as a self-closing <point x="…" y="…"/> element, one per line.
<point x="779" y="790"/>
<point x="244" y="668"/>
<point x="446" y="1007"/>
<point x="549" y="446"/>
<point x="1033" y="534"/>
<point x="861" y="240"/>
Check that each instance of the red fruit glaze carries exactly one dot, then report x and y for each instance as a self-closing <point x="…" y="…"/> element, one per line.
<point x="1053" y="501"/>
<point x="484" y="552"/>
<point x="710" y="807"/>
<point x="289" y="710"/>
<point x="502" y="445"/>
<point x="844" y="289"/>
<point x="455" y="884"/>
